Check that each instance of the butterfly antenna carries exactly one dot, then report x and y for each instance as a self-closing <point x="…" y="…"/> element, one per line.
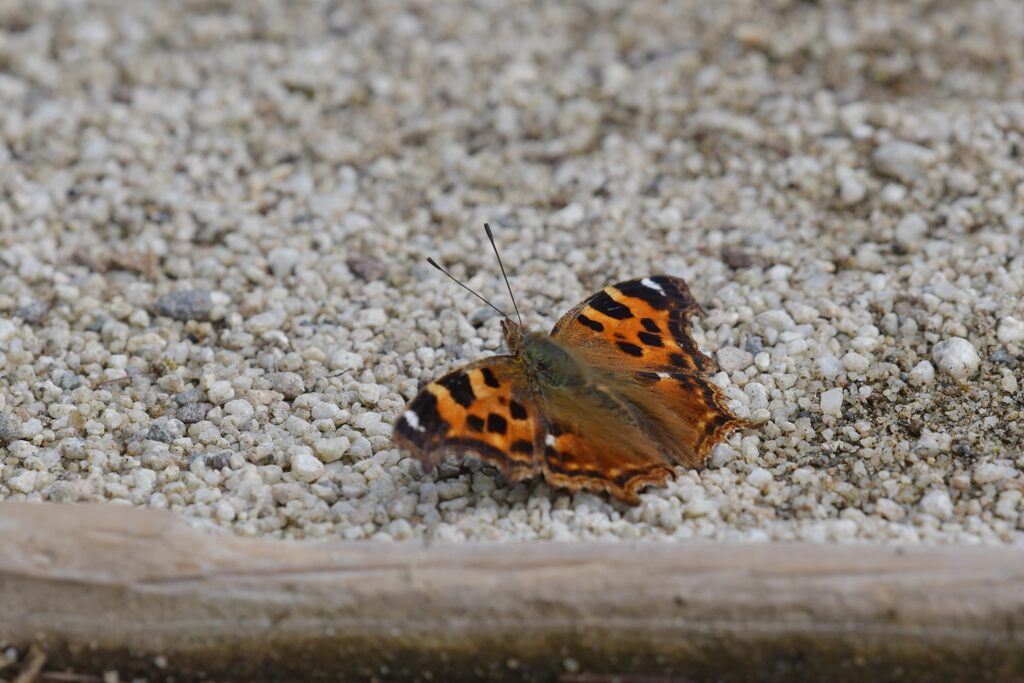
<point x="434" y="263"/>
<point x="487" y="229"/>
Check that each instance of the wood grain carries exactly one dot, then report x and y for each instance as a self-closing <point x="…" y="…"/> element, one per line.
<point x="111" y="587"/>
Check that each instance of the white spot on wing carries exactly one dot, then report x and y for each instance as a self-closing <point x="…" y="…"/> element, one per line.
<point x="663" y="375"/>
<point x="413" y="420"/>
<point x="651" y="284"/>
<point x="549" y="440"/>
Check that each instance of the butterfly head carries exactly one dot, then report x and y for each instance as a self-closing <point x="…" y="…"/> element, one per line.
<point x="513" y="332"/>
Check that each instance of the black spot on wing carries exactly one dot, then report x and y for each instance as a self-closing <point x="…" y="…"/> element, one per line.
<point x="475" y="422"/>
<point x="459" y="386"/>
<point x="497" y="424"/>
<point x="517" y="410"/>
<point x="604" y="304"/>
<point x="631" y="349"/>
<point x="679" y="360"/>
<point x="428" y="419"/>
<point x="650" y="325"/>
<point x="651" y="339"/>
<point x="521" y="446"/>
<point x="653" y="296"/>
<point x="647" y="377"/>
<point x="489" y="378"/>
<point x="592" y="324"/>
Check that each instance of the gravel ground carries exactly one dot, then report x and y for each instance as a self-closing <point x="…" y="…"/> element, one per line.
<point x="213" y="217"/>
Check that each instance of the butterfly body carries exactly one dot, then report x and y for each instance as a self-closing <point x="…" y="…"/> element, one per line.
<point x="611" y="400"/>
<point x="547" y="363"/>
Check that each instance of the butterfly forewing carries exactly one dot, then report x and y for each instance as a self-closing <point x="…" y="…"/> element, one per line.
<point x="482" y="409"/>
<point x="642" y="324"/>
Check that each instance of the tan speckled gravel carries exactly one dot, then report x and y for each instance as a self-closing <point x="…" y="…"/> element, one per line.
<point x="213" y="217"/>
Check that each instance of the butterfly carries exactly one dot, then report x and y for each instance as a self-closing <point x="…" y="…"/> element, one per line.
<point x="611" y="400"/>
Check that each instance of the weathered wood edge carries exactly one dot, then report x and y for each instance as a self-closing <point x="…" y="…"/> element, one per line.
<point x="102" y="586"/>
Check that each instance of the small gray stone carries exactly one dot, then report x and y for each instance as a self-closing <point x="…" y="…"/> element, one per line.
<point x="187" y="304"/>
<point x="188" y="396"/>
<point x="159" y="432"/>
<point x="193" y="412"/>
<point x="287" y="383"/>
<point x="218" y="461"/>
<point x="10" y="428"/>
<point x="33" y="313"/>
<point x="754" y="345"/>
<point x="69" y="381"/>
<point x="1001" y="355"/>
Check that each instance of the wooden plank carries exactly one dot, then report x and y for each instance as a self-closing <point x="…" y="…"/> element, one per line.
<point x="112" y="587"/>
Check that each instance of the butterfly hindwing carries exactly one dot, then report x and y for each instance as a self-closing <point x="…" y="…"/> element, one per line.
<point x="481" y="409"/>
<point x="591" y="442"/>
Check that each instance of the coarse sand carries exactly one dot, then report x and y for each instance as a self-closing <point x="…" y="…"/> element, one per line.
<point x="213" y="218"/>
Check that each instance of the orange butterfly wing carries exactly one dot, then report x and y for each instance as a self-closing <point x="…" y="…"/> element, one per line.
<point x="643" y="324"/>
<point x="482" y="409"/>
<point x="638" y="333"/>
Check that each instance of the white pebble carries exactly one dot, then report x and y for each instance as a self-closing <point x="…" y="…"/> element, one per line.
<point x="371" y="424"/>
<point x="956" y="357"/>
<point x="305" y="467"/>
<point x="369" y="393"/>
<point x="934" y="442"/>
<point x="990" y="472"/>
<point x="1011" y="330"/>
<point x="854" y="362"/>
<point x="699" y="507"/>
<point x="239" y="408"/>
<point x="375" y="317"/>
<point x="220" y="392"/>
<point x="759" y="477"/>
<point x="322" y="410"/>
<point x="331" y="450"/>
<point x="361" y="447"/>
<point x="922" y="374"/>
<point x="265" y="322"/>
<point x="225" y="511"/>
<point x="282" y="260"/>
<point x="24" y="482"/>
<point x="851" y="189"/>
<point x="832" y="401"/>
<point x="904" y="161"/>
<point x="937" y="504"/>
<point x="889" y="509"/>
<point x="346" y="360"/>
<point x="910" y="231"/>
<point x="775" y="319"/>
<point x="31" y="428"/>
<point x="7" y="329"/>
<point x="829" y="366"/>
<point x="732" y="359"/>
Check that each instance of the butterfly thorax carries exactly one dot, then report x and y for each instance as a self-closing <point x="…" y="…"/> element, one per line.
<point x="549" y="363"/>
